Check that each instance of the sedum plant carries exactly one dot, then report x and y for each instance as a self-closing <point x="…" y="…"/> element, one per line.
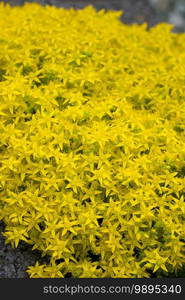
<point x="92" y="147"/>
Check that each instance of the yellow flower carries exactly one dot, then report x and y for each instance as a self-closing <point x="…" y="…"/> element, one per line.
<point x="92" y="141"/>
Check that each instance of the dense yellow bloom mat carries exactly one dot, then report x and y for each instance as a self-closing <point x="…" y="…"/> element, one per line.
<point x="92" y="141"/>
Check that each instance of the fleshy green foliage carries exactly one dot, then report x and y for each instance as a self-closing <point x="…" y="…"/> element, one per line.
<point x="92" y="147"/>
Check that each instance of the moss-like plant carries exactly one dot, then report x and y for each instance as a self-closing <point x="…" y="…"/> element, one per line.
<point x="92" y="142"/>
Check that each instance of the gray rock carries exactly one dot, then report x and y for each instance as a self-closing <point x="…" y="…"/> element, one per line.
<point x="177" y="19"/>
<point x="160" y="5"/>
<point x="14" y="262"/>
<point x="180" y="6"/>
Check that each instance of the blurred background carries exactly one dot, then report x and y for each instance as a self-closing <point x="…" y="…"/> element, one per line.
<point x="135" y="11"/>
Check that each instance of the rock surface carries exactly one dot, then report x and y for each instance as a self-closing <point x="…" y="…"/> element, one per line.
<point x="14" y="262"/>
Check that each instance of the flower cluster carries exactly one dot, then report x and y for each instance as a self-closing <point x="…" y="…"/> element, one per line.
<point x="92" y="148"/>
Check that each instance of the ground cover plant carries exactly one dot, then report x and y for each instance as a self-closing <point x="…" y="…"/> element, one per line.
<point x="92" y="147"/>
